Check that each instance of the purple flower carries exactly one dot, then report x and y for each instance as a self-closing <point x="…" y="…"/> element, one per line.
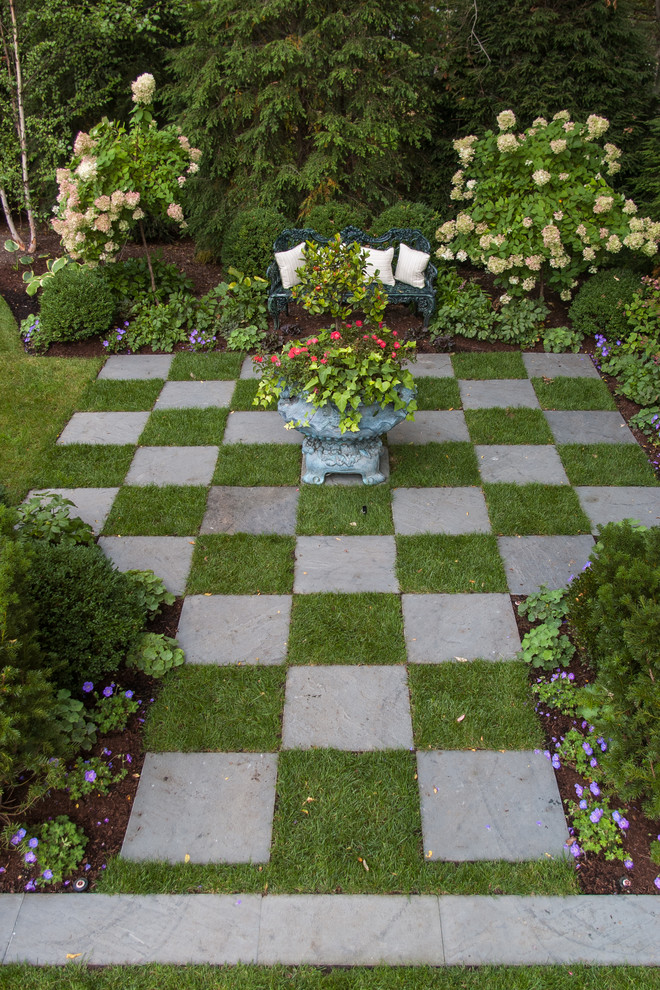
<point x="624" y="824"/>
<point x="33" y="843"/>
<point x="87" y="687"/>
<point x="616" y="815"/>
<point x="594" y="788"/>
<point x="583" y="804"/>
<point x="30" y="885"/>
<point x="593" y="762"/>
<point x="90" y="776"/>
<point x="129" y="758"/>
<point x="18" y="837"/>
<point x="575" y="850"/>
<point x="587" y="748"/>
<point x="596" y="815"/>
<point x="47" y="874"/>
<point x="657" y="882"/>
<point x="30" y="857"/>
<point x="579" y="790"/>
<point x="128" y="694"/>
<point x="107" y="691"/>
<point x="628" y="863"/>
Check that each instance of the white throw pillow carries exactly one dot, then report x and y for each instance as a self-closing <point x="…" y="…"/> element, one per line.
<point x="381" y="262"/>
<point x="289" y="262"/>
<point x="411" y="266"/>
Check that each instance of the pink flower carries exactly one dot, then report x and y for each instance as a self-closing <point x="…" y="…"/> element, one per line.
<point x="396" y="345"/>
<point x="381" y="343"/>
<point x="323" y="361"/>
<point x="358" y="323"/>
<point x="313" y="340"/>
<point x="292" y="353"/>
<point x="335" y="335"/>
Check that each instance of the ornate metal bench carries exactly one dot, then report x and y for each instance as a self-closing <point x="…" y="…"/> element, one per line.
<point x="424" y="299"/>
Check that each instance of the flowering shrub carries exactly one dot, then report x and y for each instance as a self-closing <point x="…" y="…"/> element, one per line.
<point x="538" y="207"/>
<point x="53" y="849"/>
<point x="116" y="177"/>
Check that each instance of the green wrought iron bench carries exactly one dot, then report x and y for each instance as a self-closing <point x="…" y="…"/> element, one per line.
<point x="401" y="292"/>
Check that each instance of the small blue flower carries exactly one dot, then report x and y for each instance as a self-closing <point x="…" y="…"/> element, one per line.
<point x="33" y="843"/>
<point x="594" y="788"/>
<point x="88" y="686"/>
<point x="47" y="874"/>
<point x="628" y="863"/>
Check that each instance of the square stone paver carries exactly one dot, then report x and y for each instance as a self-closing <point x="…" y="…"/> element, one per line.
<point x="345" y="563"/>
<point x="498" y="393"/>
<point x="439" y="510"/>
<point x="259" y="427"/>
<point x="210" y="807"/>
<point x="605" y="504"/>
<point x="137" y="366"/>
<point x="92" y="505"/>
<point x="232" y="629"/>
<point x="588" y="427"/>
<point x="104" y="427"/>
<point x="520" y="463"/>
<point x="172" y="466"/>
<point x="530" y="561"/>
<point x="459" y="627"/>
<point x="559" y="365"/>
<point x="169" y="557"/>
<point x="430" y="427"/>
<point x="251" y="510"/>
<point x="430" y="366"/>
<point x="247" y="369"/>
<point x="490" y="805"/>
<point x="348" y="708"/>
<point x="195" y="395"/>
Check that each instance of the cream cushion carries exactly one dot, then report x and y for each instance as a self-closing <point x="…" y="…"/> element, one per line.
<point x="289" y="262"/>
<point x="381" y="262"/>
<point x="411" y="266"/>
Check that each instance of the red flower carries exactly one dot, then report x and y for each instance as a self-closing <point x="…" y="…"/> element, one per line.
<point x="381" y="343"/>
<point x="358" y="323"/>
<point x="396" y="345"/>
<point x="323" y="361"/>
<point x="335" y="335"/>
<point x="275" y="359"/>
<point x="394" y="333"/>
<point x="258" y="359"/>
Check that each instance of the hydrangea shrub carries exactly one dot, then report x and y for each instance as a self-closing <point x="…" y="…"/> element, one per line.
<point x="118" y="176"/>
<point x="538" y="209"/>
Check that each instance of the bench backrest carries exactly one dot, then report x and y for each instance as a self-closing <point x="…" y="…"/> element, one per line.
<point x="350" y="235"/>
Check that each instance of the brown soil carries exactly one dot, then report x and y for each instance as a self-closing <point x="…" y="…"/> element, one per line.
<point x="104" y="819"/>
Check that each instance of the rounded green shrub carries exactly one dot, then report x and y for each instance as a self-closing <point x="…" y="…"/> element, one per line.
<point x="598" y="307"/>
<point x="75" y="304"/>
<point x="330" y="218"/>
<point x="88" y="613"/>
<point x="248" y="242"/>
<point x="405" y="214"/>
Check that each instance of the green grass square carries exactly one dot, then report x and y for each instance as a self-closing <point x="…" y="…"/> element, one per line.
<point x="344" y="509"/>
<point x="242" y="564"/>
<point x="508" y="426"/>
<point x="254" y="464"/>
<point x="360" y="628"/>
<point x="184" y="428"/>
<point x="495" y="364"/>
<point x="438" y="393"/>
<point x="573" y="393"/>
<point x="433" y="465"/>
<point x="157" y="510"/>
<point x="109" y="395"/>
<point x="444" y="563"/>
<point x="606" y="464"/>
<point x="534" y="510"/>
<point x="475" y="705"/>
<point x="205" y="367"/>
<point x="82" y="465"/>
<point x="338" y="814"/>
<point x="241" y="711"/>
<point x="244" y="394"/>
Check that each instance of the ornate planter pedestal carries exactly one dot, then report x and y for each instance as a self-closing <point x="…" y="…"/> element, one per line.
<point x="326" y="450"/>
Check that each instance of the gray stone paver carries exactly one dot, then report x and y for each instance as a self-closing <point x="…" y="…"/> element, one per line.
<point x="104" y="428"/>
<point x="247" y="369"/>
<point x="124" y="366"/>
<point x="430" y="366"/>
<point x="588" y="427"/>
<point x="345" y="563"/>
<point x="431" y="427"/>
<point x="347" y="708"/>
<point x="169" y="557"/>
<point x="498" y="393"/>
<point x="195" y="395"/>
<point x="559" y="365"/>
<point x="172" y="466"/>
<point x="251" y="510"/>
<point x="520" y="463"/>
<point x="439" y="510"/>
<point x="92" y="505"/>
<point x="459" y="627"/>
<point x="489" y="805"/>
<point x="233" y="629"/>
<point x="210" y="807"/>
<point x="613" y="504"/>
<point x="530" y="561"/>
<point x="259" y="427"/>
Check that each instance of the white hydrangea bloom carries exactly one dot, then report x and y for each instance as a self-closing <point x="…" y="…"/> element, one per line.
<point x="540" y="122"/>
<point x="528" y="284"/>
<point x="564" y="176"/>
<point x="505" y="299"/>
<point x="603" y="204"/>
<point x="506" y="143"/>
<point x="143" y="88"/>
<point x="596" y="126"/>
<point x="464" y="223"/>
<point x="613" y="244"/>
<point x="506" y="120"/>
<point x="541" y="177"/>
<point x="629" y="207"/>
<point x="566" y="295"/>
<point x="446" y="231"/>
<point x="562" y="115"/>
<point x="87" y="169"/>
<point x="496" y="265"/>
<point x="634" y="241"/>
<point x="527" y="222"/>
<point x="457" y="177"/>
<point x="588" y="254"/>
<point x="558" y="145"/>
<point x="461" y="256"/>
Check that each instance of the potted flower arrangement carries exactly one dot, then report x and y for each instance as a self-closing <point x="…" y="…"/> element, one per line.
<point x="343" y="386"/>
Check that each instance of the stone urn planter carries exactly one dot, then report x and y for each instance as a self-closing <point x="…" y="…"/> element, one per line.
<point x="326" y="450"/>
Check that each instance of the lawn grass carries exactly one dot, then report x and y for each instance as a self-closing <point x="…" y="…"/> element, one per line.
<point x="242" y="710"/>
<point x="606" y="464"/>
<point x="157" y="510"/>
<point x="211" y="366"/>
<point x="10" y="341"/>
<point x="344" y="509"/>
<point x="534" y="509"/>
<point x="37" y="398"/>
<point x="508" y="426"/>
<point x="496" y="364"/>
<point x="433" y="465"/>
<point x="492" y="700"/>
<point x="573" y="393"/>
<point x="250" y="464"/>
<point x="184" y="428"/>
<point x="443" y="563"/>
<point x="125" y="395"/>
<point x="438" y="393"/>
<point x="244" y="393"/>
<point x="360" y="628"/>
<point x="242" y="564"/>
<point x="81" y="465"/>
